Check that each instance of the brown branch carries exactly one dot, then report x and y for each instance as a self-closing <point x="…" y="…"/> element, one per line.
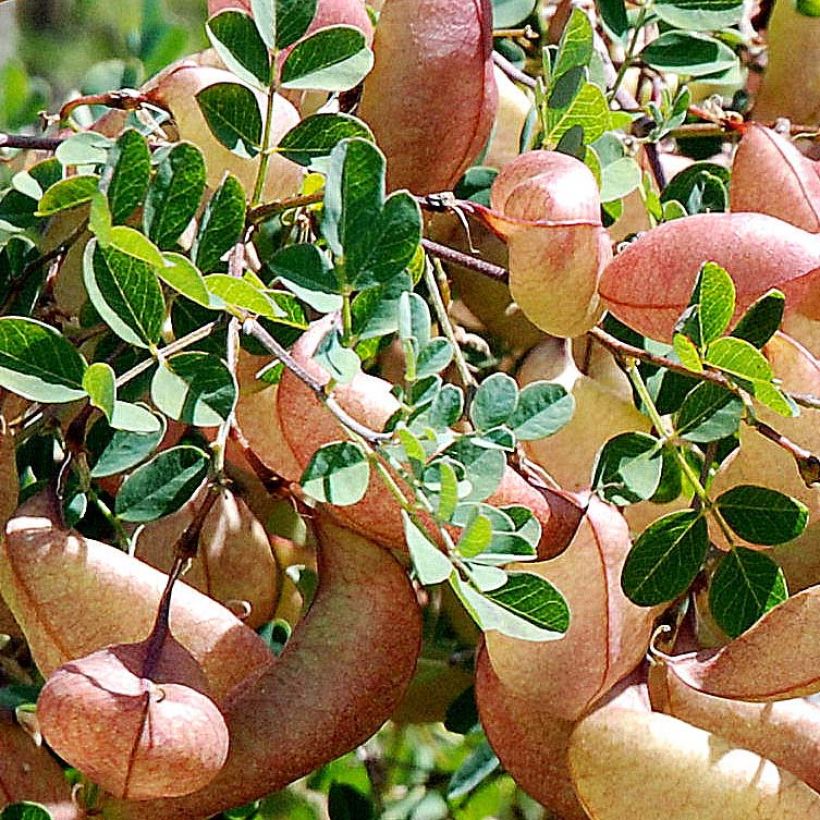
<point x="30" y="143"/>
<point x="263" y="212"/>
<point x="447" y="254"/>
<point x="252" y="328"/>
<point x="512" y="72"/>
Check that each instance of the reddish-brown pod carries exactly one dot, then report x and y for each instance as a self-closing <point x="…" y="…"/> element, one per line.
<point x="431" y="97"/>
<point x="136" y="720"/>
<point x="649" y="284"/>
<point x="546" y="206"/>
<point x="607" y="635"/>
<point x="234" y="563"/>
<point x="770" y="176"/>
<point x="342" y="674"/>
<point x="29" y="772"/>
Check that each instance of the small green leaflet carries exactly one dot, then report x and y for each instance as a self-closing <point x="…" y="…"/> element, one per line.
<point x="494" y="401"/>
<point x="316" y="136"/>
<point x="25" y="811"/>
<point x="241" y="294"/>
<point x="699" y="15"/>
<point x="339" y="361"/>
<point x="162" y="485"/>
<point x="613" y="16"/>
<point x="695" y="55"/>
<point x="338" y="473"/>
<point x="711" y="307"/>
<point x="746" y="585"/>
<point x="432" y="566"/>
<point x="308" y="273"/>
<point x="233" y="114"/>
<point x="475" y="537"/>
<point x="38" y="363"/>
<point x="119" y="450"/>
<point x="709" y="413"/>
<point x="235" y="37"/>
<point x="336" y="58"/>
<point x="377" y="237"/>
<point x="174" y="195"/>
<point x="85" y="148"/>
<point x="282" y="22"/>
<point x="628" y="468"/>
<point x="182" y="275"/>
<point x="762" y="516"/>
<point x="68" y="193"/>
<point x="478" y="766"/>
<point x="665" y="559"/>
<point x="503" y="615"/>
<point x="543" y="409"/>
<point x="737" y="357"/>
<point x="762" y="319"/>
<point x="221" y="225"/>
<point x="576" y="45"/>
<point x="125" y="178"/>
<point x="100" y="383"/>
<point x="125" y="292"/>
<point x="509" y="13"/>
<point x="195" y="388"/>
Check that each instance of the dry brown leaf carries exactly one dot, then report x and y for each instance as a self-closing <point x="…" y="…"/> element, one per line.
<point x="777" y="659"/>
<point x="627" y="764"/>
<point x="607" y="635"/>
<point x="786" y="732"/>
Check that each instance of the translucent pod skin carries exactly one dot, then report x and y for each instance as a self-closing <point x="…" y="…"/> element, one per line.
<point x="138" y="734"/>
<point x="341" y="675"/>
<point x="546" y="206"/>
<point x="770" y="176"/>
<point x="649" y="284"/>
<point x="786" y="732"/>
<point x="607" y="636"/>
<point x="431" y="97"/>
<point x="791" y="83"/>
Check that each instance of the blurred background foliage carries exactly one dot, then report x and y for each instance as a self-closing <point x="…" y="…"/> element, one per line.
<point x="52" y="50"/>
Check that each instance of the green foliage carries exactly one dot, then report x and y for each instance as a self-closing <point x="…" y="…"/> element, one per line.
<point x="169" y="263"/>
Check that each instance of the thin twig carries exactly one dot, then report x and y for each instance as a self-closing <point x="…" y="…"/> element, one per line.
<point x="448" y="254"/>
<point x="169" y="350"/>
<point x="31" y="143"/>
<point x="252" y="328"/>
<point x="516" y="75"/>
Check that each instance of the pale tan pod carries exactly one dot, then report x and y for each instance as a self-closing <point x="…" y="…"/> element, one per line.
<point x="234" y="563"/>
<point x="786" y="732"/>
<point x="134" y="735"/>
<point x="545" y="205"/>
<point x="53" y="579"/>
<point x="791" y="83"/>
<point x="341" y="675"/>
<point x="648" y="285"/>
<point x="628" y="764"/>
